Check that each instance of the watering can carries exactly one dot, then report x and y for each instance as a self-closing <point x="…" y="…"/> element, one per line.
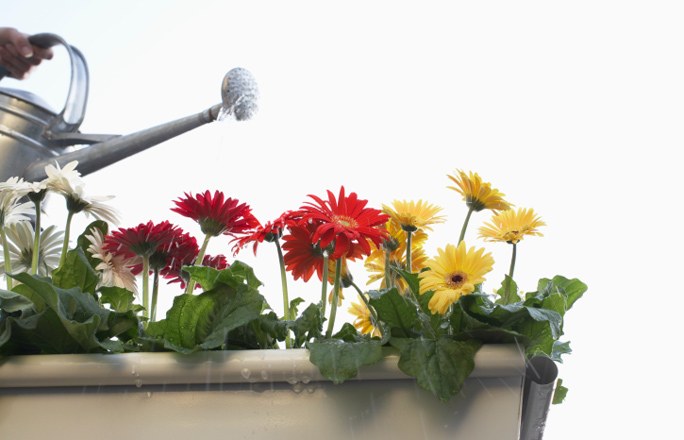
<point x="33" y="136"/>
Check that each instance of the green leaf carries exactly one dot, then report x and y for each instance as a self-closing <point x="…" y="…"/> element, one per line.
<point x="196" y="322"/>
<point x="70" y="321"/>
<point x="412" y="279"/>
<point x="396" y="311"/>
<point x="559" y="393"/>
<point x="120" y="299"/>
<point x="294" y="306"/>
<point x="308" y="326"/>
<point x="76" y="272"/>
<point x="440" y="366"/>
<point x="261" y="333"/>
<point x="339" y="360"/>
<point x="508" y="292"/>
<point x="571" y="289"/>
<point x="559" y="349"/>
<point x="237" y="274"/>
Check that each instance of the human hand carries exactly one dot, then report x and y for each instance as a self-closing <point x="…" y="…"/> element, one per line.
<point x="17" y="55"/>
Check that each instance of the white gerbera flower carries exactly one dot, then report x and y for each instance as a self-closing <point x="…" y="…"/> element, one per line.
<point x="115" y="270"/>
<point x="20" y="246"/>
<point x="63" y="180"/>
<point x="77" y="201"/>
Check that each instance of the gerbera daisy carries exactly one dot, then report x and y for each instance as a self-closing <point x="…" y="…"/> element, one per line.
<point x="363" y="321"/>
<point x="21" y="248"/>
<point x="477" y="194"/>
<point x="269" y="232"/>
<point x="217" y="214"/>
<point x="412" y="215"/>
<point x="115" y="270"/>
<point x="142" y="241"/>
<point x="512" y="225"/>
<point x="345" y="222"/>
<point x="302" y="256"/>
<point x="63" y="179"/>
<point x="454" y="273"/>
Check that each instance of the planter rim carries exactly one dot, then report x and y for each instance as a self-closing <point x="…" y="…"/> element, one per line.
<point x="209" y="367"/>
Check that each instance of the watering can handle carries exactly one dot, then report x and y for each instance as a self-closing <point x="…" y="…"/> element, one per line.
<point x="71" y="116"/>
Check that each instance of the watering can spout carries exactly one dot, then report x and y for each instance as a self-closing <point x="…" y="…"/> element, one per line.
<point x="98" y="156"/>
<point x="32" y="136"/>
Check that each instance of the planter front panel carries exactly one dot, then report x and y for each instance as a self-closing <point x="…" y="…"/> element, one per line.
<point x="257" y="394"/>
<point x="354" y="410"/>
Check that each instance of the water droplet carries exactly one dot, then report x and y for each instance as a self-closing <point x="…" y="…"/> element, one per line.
<point x="310" y="389"/>
<point x="148" y="394"/>
<point x="133" y="373"/>
<point x="264" y="374"/>
<point x="138" y="383"/>
<point x="306" y="379"/>
<point x="245" y="373"/>
<point x="292" y="380"/>
<point x="297" y="388"/>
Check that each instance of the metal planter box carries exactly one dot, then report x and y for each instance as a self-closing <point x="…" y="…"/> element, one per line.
<point x="259" y="394"/>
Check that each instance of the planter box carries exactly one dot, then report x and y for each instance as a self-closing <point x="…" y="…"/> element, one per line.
<point x="257" y="394"/>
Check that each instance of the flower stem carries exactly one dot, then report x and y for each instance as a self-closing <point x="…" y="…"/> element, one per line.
<point x="198" y="261"/>
<point x="465" y="225"/>
<point x="155" y="292"/>
<point x="36" y="241"/>
<point x="65" y="245"/>
<point x="6" y="254"/>
<point x="336" y="295"/>
<point x="388" y="270"/>
<point x="324" y="288"/>
<point x="510" y="274"/>
<point x="409" y="234"/>
<point x="146" y="285"/>
<point x="283" y="282"/>
<point x="374" y="314"/>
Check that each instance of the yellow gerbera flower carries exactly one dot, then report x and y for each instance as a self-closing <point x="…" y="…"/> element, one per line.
<point x="363" y="322"/>
<point x="512" y="225"/>
<point x="375" y="263"/>
<point x="454" y="273"/>
<point x="412" y="215"/>
<point x="477" y="194"/>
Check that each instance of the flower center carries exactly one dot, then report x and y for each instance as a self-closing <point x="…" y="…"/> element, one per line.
<point x="345" y="221"/>
<point x="456" y="279"/>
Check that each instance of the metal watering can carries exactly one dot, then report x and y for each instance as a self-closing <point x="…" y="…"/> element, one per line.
<point x="33" y="136"/>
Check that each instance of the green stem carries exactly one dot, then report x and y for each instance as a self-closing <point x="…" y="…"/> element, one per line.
<point x="6" y="254"/>
<point x="336" y="294"/>
<point x="374" y="314"/>
<point x="324" y="288"/>
<point x="155" y="291"/>
<point x="409" y="234"/>
<point x="510" y="272"/>
<point x="388" y="270"/>
<point x="146" y="285"/>
<point x="198" y="262"/>
<point x="283" y="282"/>
<point x="36" y="241"/>
<point x="65" y="245"/>
<point x="465" y="225"/>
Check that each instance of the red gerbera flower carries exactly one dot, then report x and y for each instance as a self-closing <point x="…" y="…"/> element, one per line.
<point x="142" y="240"/>
<point x="303" y="257"/>
<point x="346" y="222"/>
<point x="181" y="246"/>
<point x="216" y="214"/>
<point x="269" y="232"/>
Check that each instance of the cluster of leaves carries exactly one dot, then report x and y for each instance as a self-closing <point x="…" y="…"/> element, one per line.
<point x="439" y="351"/>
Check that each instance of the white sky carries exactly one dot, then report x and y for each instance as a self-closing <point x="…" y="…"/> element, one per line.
<point x="572" y="108"/>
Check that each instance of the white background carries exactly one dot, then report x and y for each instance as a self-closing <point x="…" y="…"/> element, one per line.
<point x="572" y="108"/>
